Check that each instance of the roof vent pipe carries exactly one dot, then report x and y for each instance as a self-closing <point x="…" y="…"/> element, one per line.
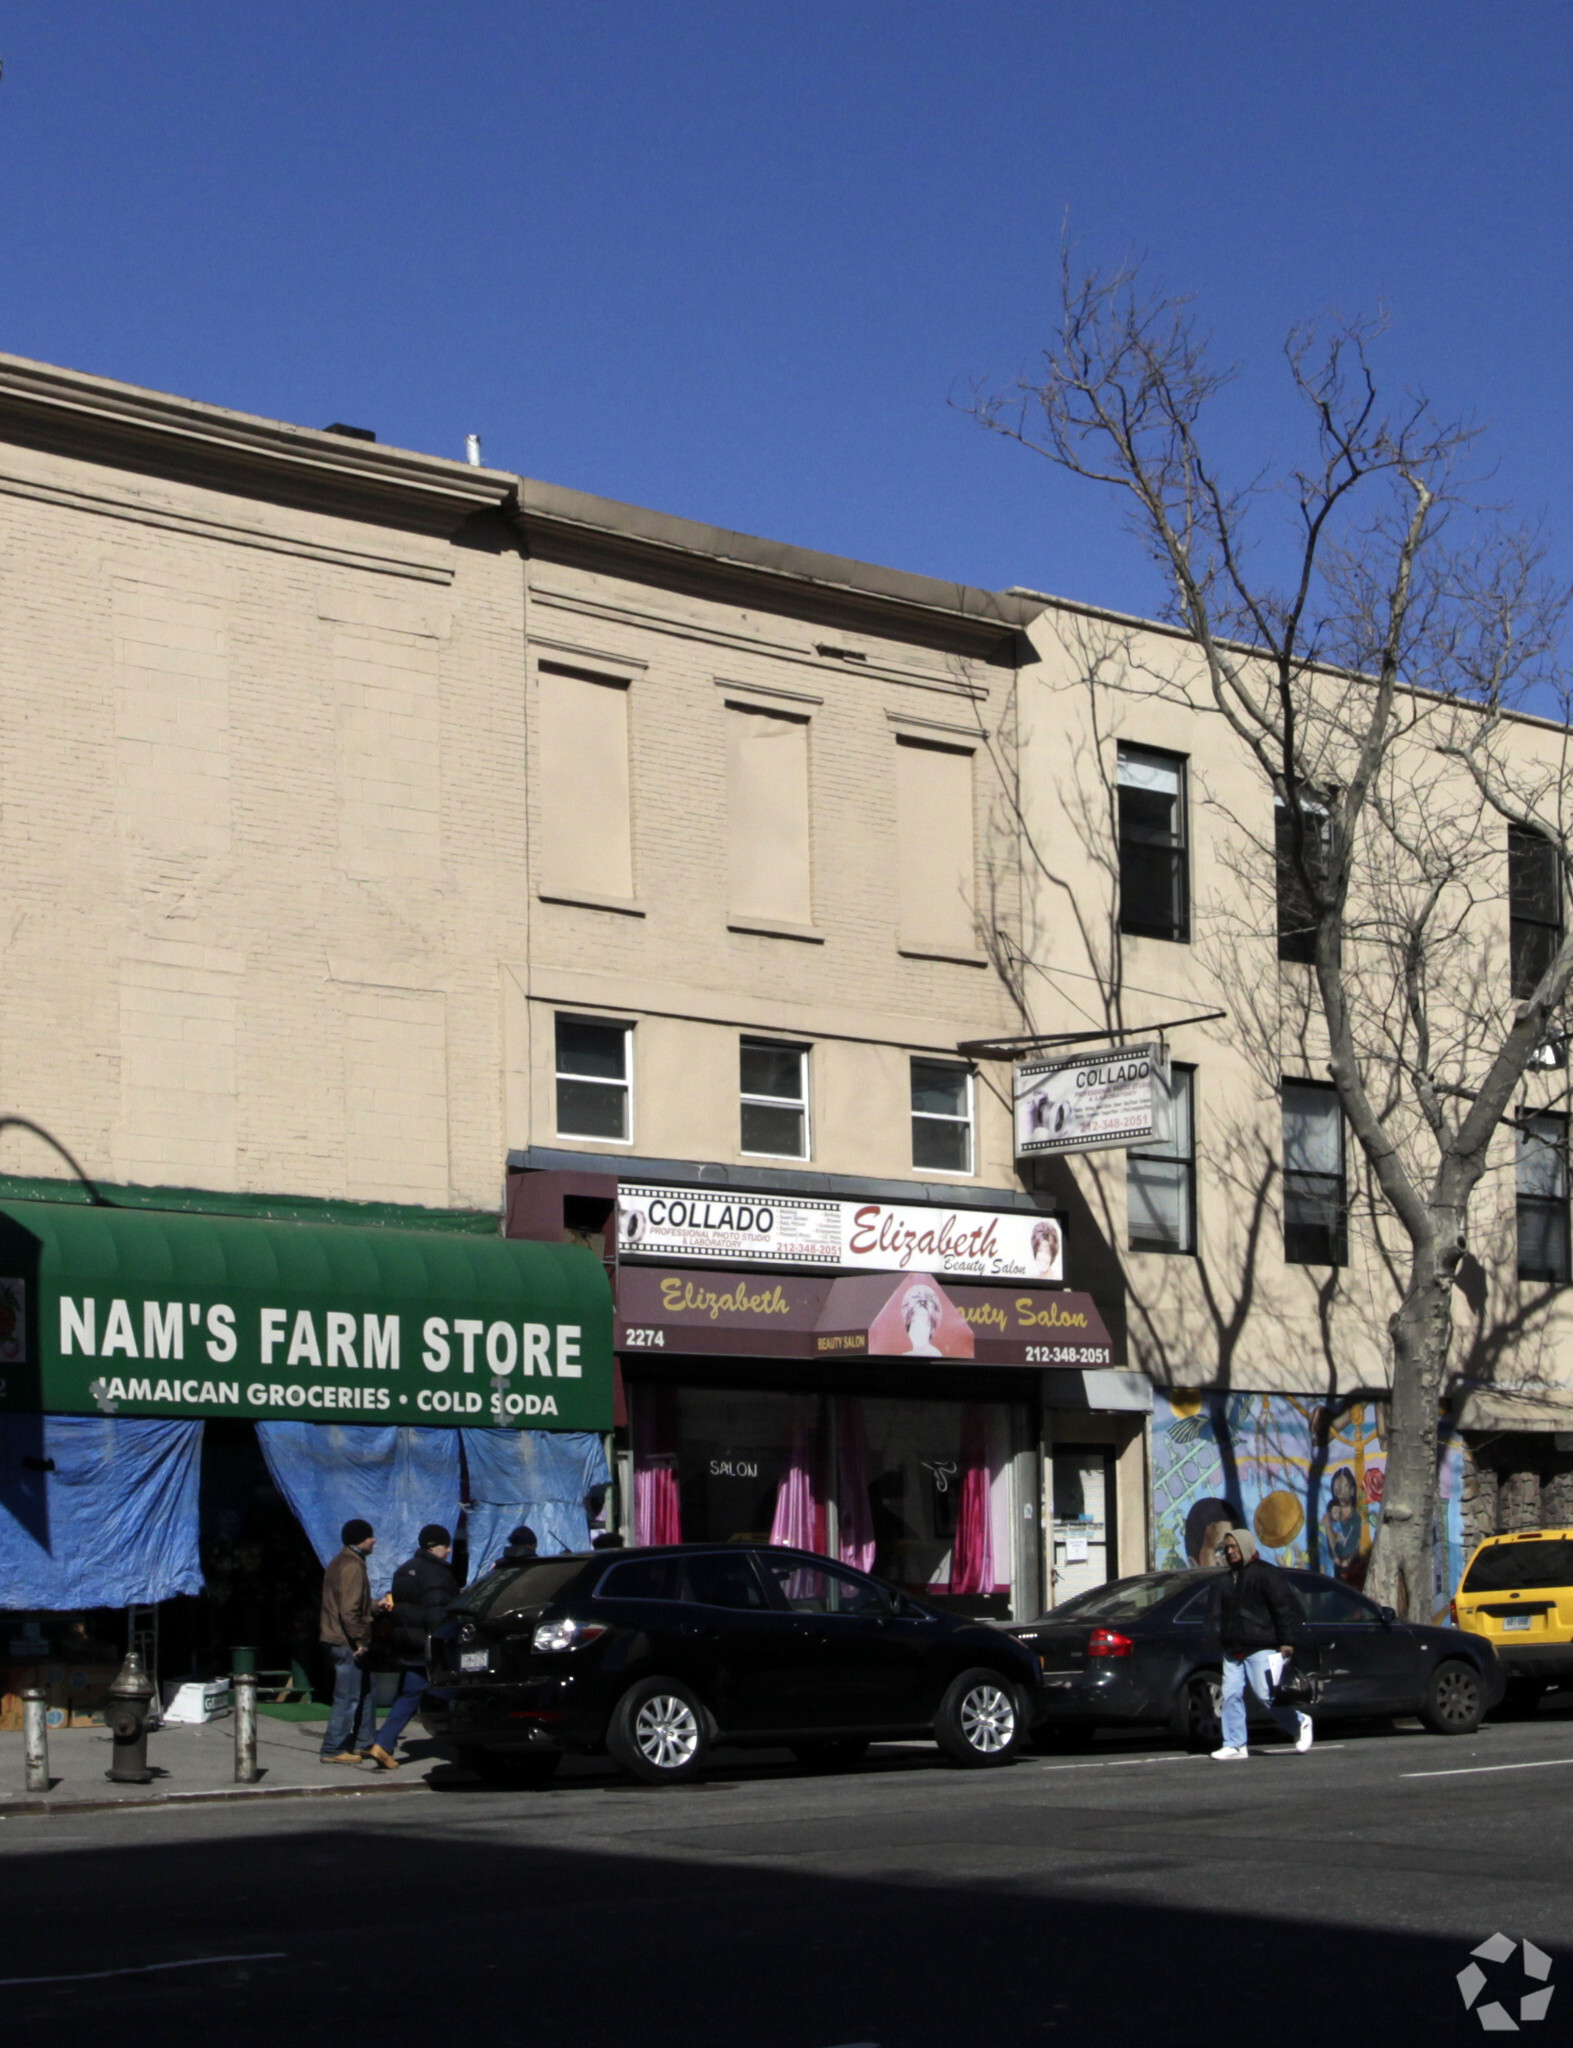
<point x="472" y="450"/>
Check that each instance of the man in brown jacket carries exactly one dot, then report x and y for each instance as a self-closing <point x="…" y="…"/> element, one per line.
<point x="346" y="1633"/>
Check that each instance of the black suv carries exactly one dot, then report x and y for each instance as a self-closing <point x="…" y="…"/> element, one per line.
<point x="656" y="1655"/>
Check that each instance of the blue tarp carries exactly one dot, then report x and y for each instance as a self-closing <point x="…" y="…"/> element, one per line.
<point x="396" y="1479"/>
<point x="530" y="1475"/>
<point x="112" y="1524"/>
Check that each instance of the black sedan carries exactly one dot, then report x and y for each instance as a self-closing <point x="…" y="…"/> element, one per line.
<point x="657" y="1655"/>
<point x="1138" y="1653"/>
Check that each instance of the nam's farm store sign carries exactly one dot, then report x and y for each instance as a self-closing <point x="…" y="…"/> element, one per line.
<point x="155" y="1312"/>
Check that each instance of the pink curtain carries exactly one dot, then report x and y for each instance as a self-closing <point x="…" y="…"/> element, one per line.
<point x="658" y="1508"/>
<point x="972" y="1559"/>
<point x="854" y="1520"/>
<point x="796" y="1520"/>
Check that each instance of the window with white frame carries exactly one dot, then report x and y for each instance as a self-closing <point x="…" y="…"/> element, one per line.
<point x="941" y="1116"/>
<point x="1160" y="1177"/>
<point x="1154" y="875"/>
<point x="594" y="1079"/>
<point x="773" y="1084"/>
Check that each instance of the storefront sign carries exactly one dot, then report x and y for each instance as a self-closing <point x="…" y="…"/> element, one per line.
<point x="801" y="1230"/>
<point x="152" y="1312"/>
<point x="870" y="1316"/>
<point x="1089" y="1105"/>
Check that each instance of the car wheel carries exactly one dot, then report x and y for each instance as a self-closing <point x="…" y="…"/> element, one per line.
<point x="1062" y="1737"/>
<point x="1455" y="1700"/>
<point x="658" y="1732"/>
<point x="1521" y="1699"/>
<point x="979" y="1722"/>
<point x="1197" y="1721"/>
<point x="836" y="1753"/>
<point x="520" y="1769"/>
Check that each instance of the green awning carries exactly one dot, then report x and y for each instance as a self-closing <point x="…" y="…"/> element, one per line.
<point x="160" y="1312"/>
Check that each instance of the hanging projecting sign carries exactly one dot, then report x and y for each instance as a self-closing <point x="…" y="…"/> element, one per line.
<point x="799" y="1230"/>
<point x="1092" y="1104"/>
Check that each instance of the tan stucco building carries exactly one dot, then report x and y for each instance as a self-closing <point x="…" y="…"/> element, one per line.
<point x="383" y="829"/>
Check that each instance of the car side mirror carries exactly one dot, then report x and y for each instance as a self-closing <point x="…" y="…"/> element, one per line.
<point x="1389" y="1615"/>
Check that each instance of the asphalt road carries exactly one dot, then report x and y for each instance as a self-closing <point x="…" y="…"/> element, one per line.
<point x="1130" y="1895"/>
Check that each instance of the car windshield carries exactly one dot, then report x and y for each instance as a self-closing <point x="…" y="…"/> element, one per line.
<point x="1125" y="1600"/>
<point x="515" y="1589"/>
<point x="1518" y="1567"/>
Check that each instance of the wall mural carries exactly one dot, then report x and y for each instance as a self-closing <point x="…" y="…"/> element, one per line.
<point x="1305" y="1475"/>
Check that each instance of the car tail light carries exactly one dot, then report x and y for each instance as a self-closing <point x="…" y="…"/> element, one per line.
<point x="566" y="1635"/>
<point x="1452" y="1612"/>
<point x="1108" y="1642"/>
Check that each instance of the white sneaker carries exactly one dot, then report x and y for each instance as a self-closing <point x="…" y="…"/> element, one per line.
<point x="1306" y="1736"/>
<point x="1228" y="1754"/>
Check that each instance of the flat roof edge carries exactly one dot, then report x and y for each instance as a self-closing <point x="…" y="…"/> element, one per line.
<point x="561" y="507"/>
<point x="46" y="392"/>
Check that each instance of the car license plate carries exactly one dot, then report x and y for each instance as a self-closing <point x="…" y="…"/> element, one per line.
<point x="472" y="1660"/>
<point x="1516" y="1620"/>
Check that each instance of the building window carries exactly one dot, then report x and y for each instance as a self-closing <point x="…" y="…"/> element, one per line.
<point x="1160" y="1178"/>
<point x="1543" y="1198"/>
<point x="941" y="1116"/>
<point x="1296" y="920"/>
<point x="594" y="1084"/>
<point x="936" y="849"/>
<point x="1534" y="896"/>
<point x="767" y="817"/>
<point x="1154" y="885"/>
<point x="1315" y="1197"/>
<point x="774" y="1080"/>
<point x="586" y="817"/>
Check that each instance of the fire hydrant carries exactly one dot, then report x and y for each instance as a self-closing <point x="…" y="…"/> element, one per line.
<point x="130" y="1697"/>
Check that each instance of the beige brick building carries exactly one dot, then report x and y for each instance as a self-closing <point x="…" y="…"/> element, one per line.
<point x="380" y="828"/>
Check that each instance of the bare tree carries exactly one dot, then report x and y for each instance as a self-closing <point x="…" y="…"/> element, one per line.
<point x="1369" y="636"/>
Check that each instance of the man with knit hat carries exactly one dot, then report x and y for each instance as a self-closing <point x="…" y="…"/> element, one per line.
<point x="423" y="1590"/>
<point x="1256" y="1618"/>
<point x="346" y="1633"/>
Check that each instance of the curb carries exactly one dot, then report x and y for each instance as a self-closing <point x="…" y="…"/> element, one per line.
<point x="13" y="1809"/>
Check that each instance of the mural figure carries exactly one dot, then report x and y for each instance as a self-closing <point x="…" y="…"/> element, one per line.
<point x="1304" y="1476"/>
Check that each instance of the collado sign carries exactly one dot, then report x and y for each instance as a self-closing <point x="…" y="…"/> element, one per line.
<point x="1087" y="1105"/>
<point x="799" y="1230"/>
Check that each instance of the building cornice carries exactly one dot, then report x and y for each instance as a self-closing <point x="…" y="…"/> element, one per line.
<point x="99" y="420"/>
<point x="560" y="524"/>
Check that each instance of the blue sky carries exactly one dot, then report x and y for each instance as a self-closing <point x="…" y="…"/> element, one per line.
<point x="733" y="260"/>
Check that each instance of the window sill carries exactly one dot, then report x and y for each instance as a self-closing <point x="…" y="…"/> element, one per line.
<point x="624" y="906"/>
<point x="953" y="954"/>
<point x="776" y="928"/>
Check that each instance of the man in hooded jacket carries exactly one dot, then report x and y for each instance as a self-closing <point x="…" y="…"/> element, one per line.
<point x="423" y="1589"/>
<point x="1255" y="1616"/>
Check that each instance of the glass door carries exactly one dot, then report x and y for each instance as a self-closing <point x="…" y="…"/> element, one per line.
<point x="1083" y="1478"/>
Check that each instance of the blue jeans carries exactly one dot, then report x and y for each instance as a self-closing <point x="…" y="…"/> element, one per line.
<point x="1262" y="1667"/>
<point x="412" y="1683"/>
<point x="352" y="1720"/>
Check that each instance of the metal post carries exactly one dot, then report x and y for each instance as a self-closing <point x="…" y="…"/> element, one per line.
<point x="245" y="1684"/>
<point x="35" y="1722"/>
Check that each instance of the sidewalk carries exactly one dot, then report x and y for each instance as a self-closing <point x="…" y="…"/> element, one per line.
<point x="199" y="1763"/>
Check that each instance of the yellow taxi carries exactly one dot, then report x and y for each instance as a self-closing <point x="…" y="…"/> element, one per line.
<point x="1517" y="1591"/>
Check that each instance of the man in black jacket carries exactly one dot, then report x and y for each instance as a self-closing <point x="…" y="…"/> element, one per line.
<point x="423" y="1590"/>
<point x="1255" y="1616"/>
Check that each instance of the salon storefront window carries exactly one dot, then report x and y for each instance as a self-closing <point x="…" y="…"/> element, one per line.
<point x="920" y="1491"/>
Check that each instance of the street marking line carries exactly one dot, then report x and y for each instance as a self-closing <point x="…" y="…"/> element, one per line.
<point x="1545" y="1763"/>
<point x="272" y="1955"/>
